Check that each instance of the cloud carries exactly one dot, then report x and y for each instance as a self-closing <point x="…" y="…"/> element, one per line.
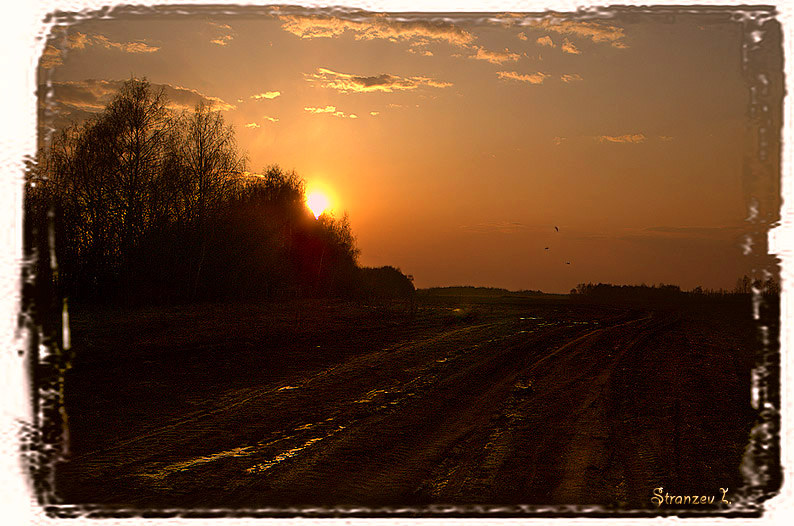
<point x="271" y="119"/>
<point x="534" y="78"/>
<point x="186" y="98"/>
<point x="666" y="138"/>
<point x="126" y="47"/>
<point x="93" y="95"/>
<point x="559" y="140"/>
<point x="417" y="49"/>
<point x="87" y="95"/>
<point x="376" y="26"/>
<point x="331" y="110"/>
<point x="266" y="95"/>
<point x="522" y="36"/>
<point x="494" y="57"/>
<point x="593" y="30"/>
<point x="222" y="41"/>
<point x="79" y="40"/>
<point x="51" y="57"/>
<point x="374" y="113"/>
<point x="633" y="139"/>
<point x="226" y="37"/>
<point x="347" y="83"/>
<point x="252" y="125"/>
<point x="545" y="41"/>
<point x="568" y="47"/>
<point x="571" y="78"/>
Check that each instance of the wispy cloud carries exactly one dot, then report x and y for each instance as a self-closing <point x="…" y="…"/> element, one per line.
<point x="571" y="78"/>
<point x="374" y="113"/>
<point x="371" y="27"/>
<point x="633" y="138"/>
<point x="568" y="47"/>
<point x="222" y="40"/>
<point x="266" y="95"/>
<point x="78" y="40"/>
<point x="559" y="140"/>
<point x="331" y="110"/>
<point x="186" y="98"/>
<point x="495" y="57"/>
<point x="51" y="57"/>
<point x="227" y="35"/>
<point x="532" y="78"/>
<point x="545" y="41"/>
<point x="349" y="83"/>
<point x="666" y="138"/>
<point x="418" y="49"/>
<point x="254" y="125"/>
<point x="126" y="47"/>
<point x="594" y="31"/>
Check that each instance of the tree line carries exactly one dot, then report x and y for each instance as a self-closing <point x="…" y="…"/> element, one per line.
<point x="744" y="286"/>
<point x="149" y="205"/>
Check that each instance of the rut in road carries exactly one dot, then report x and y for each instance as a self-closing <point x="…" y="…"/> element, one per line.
<point x="393" y="458"/>
<point x="550" y="442"/>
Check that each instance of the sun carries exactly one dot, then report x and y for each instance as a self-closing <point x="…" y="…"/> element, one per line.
<point x="317" y="202"/>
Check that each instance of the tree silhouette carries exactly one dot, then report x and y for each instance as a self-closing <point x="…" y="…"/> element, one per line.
<point x="203" y="165"/>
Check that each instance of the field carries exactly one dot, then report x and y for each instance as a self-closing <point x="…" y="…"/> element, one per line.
<point x="466" y="402"/>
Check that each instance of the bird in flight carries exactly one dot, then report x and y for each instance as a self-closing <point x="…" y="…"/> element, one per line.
<point x="546" y="248"/>
<point x="567" y="262"/>
<point x="557" y="229"/>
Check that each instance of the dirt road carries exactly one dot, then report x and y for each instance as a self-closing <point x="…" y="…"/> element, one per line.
<point x="514" y="406"/>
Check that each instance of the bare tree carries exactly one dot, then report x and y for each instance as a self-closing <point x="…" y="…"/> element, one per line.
<point x="206" y="152"/>
<point x="204" y="160"/>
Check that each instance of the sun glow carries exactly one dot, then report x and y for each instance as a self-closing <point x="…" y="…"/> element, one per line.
<point x="317" y="202"/>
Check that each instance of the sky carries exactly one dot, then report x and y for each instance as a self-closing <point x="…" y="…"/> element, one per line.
<point x="457" y="143"/>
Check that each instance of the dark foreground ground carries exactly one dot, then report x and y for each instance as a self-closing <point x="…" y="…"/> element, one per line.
<point x="329" y="404"/>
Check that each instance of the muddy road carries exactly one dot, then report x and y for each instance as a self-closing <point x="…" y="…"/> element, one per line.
<point x="333" y="405"/>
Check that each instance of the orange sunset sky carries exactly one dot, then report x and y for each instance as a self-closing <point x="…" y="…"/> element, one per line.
<point x="456" y="143"/>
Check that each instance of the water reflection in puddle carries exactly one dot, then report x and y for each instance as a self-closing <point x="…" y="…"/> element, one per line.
<point x="264" y="466"/>
<point x="370" y="396"/>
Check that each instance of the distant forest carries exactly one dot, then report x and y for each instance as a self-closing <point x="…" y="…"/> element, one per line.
<point x="146" y="205"/>
<point x="476" y="291"/>
<point x="744" y="286"/>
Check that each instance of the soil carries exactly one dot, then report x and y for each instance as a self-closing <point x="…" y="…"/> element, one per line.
<point x="461" y="403"/>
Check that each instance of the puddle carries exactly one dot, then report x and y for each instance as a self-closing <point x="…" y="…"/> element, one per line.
<point x="305" y="426"/>
<point x="370" y="396"/>
<point x="523" y="384"/>
<point x="264" y="466"/>
<point x="163" y="472"/>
